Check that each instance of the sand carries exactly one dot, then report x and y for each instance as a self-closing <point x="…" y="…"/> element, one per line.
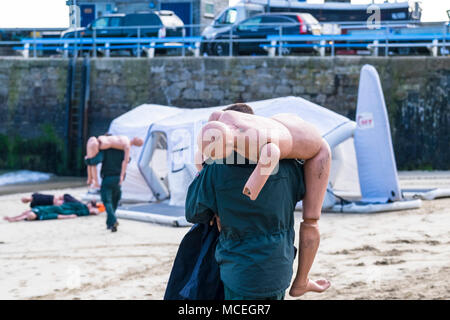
<point x="395" y="255"/>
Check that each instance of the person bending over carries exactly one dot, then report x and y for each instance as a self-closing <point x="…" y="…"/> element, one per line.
<point x="68" y="210"/>
<point x="94" y="154"/>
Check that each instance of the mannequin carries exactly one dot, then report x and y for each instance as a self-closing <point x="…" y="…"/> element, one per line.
<point x="259" y="139"/>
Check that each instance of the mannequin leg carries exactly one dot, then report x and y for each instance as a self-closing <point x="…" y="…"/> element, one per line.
<point x="268" y="160"/>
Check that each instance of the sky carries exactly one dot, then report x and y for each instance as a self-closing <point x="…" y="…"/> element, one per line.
<point x="55" y="13"/>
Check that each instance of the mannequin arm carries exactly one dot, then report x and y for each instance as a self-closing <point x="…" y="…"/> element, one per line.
<point x="309" y="243"/>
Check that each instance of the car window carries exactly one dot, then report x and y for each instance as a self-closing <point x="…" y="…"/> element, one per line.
<point x="115" y="22"/>
<point x="100" y="23"/>
<point x="231" y="16"/>
<point x="251" y="23"/>
<point x="142" y="20"/>
<point x="228" y="17"/>
<point x="275" y="21"/>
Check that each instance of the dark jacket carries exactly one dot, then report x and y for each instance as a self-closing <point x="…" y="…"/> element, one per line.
<point x="195" y="272"/>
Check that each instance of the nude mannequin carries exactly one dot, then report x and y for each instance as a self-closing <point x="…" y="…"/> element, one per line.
<point x="266" y="141"/>
<point x="94" y="145"/>
<point x="259" y="139"/>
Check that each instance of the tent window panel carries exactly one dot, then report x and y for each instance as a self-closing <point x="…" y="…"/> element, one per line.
<point x="158" y="161"/>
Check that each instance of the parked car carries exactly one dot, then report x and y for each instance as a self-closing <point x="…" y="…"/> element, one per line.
<point x="263" y="25"/>
<point x="164" y="23"/>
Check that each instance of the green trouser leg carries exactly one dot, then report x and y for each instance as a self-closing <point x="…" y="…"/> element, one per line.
<point x="110" y="193"/>
<point x="231" y="295"/>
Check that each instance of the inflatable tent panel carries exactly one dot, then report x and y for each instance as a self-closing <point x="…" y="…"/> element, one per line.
<point x="160" y="213"/>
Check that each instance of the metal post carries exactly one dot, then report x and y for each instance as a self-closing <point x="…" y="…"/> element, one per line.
<point x="66" y="50"/>
<point x="34" y="43"/>
<point x="94" y="54"/>
<point x="332" y="48"/>
<point x="375" y="48"/>
<point x="272" y="49"/>
<point x="230" y="46"/>
<point x="280" y="47"/>
<point x="151" y="50"/>
<point x="386" y="47"/>
<point x="322" y="44"/>
<point x="107" y="52"/>
<point x="434" y="48"/>
<point x="183" y="49"/>
<point x="138" y="54"/>
<point x="26" y="50"/>
<point x="444" y="50"/>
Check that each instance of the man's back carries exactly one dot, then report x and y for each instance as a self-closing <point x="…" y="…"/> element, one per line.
<point x="256" y="247"/>
<point x="112" y="162"/>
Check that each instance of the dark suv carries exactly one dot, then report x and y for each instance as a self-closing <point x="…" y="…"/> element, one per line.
<point x="263" y="25"/>
<point x="160" y="24"/>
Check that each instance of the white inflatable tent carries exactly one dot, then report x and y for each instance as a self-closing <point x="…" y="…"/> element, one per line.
<point x="363" y="166"/>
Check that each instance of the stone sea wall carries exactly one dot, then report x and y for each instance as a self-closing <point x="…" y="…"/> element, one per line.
<point x="416" y="89"/>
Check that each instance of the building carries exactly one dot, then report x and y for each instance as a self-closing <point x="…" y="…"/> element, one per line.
<point x="190" y="11"/>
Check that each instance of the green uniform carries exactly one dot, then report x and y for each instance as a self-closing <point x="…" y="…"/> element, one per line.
<point x="68" y="208"/>
<point x="95" y="160"/>
<point x="110" y="190"/>
<point x="256" y="249"/>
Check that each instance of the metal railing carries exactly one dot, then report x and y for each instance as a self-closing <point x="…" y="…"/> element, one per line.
<point x="387" y="36"/>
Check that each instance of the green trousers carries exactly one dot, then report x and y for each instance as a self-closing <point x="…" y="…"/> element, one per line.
<point x="110" y="193"/>
<point x="231" y="295"/>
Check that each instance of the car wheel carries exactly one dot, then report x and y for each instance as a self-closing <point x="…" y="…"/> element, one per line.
<point x="221" y="49"/>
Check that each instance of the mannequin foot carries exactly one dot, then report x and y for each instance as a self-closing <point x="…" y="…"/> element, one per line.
<point x="311" y="286"/>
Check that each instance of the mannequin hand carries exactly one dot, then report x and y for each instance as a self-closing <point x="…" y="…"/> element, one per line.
<point x="219" y="226"/>
<point x="311" y="286"/>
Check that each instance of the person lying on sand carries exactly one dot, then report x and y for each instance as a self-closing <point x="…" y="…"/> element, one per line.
<point x="39" y="199"/>
<point x="68" y="210"/>
<point x="94" y="154"/>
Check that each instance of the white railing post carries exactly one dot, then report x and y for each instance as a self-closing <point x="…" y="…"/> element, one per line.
<point x="434" y="48"/>
<point x="375" y="48"/>
<point x="197" y="49"/>
<point x="322" y="48"/>
<point x="26" y="50"/>
<point x="151" y="50"/>
<point x="107" y="51"/>
<point x="66" y="50"/>
<point x="272" y="48"/>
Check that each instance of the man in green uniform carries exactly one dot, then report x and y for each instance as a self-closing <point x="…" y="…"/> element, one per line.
<point x="68" y="210"/>
<point x="256" y="249"/>
<point x="110" y="190"/>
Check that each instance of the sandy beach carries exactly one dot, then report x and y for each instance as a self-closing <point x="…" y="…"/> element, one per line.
<point x="392" y="255"/>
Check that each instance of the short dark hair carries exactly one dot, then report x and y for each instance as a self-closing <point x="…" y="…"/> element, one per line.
<point x="240" y="107"/>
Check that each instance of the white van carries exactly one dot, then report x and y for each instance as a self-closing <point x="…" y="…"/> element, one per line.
<point x="230" y="16"/>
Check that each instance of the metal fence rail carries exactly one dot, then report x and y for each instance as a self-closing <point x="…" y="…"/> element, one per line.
<point x="431" y="36"/>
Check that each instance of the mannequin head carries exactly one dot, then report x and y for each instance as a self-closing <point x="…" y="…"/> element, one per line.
<point x="138" y="142"/>
<point x="216" y="140"/>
